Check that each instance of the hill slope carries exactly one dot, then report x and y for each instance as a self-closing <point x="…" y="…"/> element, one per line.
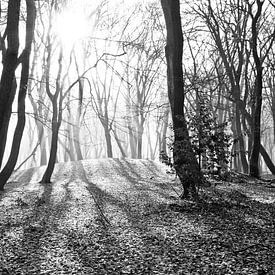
<point x="121" y="217"/>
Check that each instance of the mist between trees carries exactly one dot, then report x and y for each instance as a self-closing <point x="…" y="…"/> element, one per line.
<point x="82" y="80"/>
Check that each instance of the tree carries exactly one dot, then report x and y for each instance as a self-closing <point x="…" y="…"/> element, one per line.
<point x="25" y="63"/>
<point x="10" y="63"/>
<point x="238" y="44"/>
<point x="185" y="162"/>
<point x="259" y="58"/>
<point x="232" y="52"/>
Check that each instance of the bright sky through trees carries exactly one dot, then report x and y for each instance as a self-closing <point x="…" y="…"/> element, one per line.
<point x="71" y="26"/>
<point x="73" y="23"/>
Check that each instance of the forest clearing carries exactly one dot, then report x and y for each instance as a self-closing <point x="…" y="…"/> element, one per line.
<point x="123" y="216"/>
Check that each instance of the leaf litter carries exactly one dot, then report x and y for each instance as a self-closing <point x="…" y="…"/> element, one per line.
<point x="115" y="216"/>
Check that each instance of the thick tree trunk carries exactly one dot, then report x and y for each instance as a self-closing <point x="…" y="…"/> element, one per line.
<point x="21" y="117"/>
<point x="69" y="145"/>
<point x="6" y="121"/>
<point x="108" y="141"/>
<point x="257" y="97"/>
<point x="185" y="162"/>
<point x="76" y="138"/>
<point x="7" y="82"/>
<point x="256" y="132"/>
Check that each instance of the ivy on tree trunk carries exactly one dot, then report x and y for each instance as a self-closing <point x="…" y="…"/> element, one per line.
<point x="185" y="162"/>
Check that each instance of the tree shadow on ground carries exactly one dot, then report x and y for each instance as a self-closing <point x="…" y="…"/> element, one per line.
<point x="241" y="228"/>
<point x="140" y="235"/>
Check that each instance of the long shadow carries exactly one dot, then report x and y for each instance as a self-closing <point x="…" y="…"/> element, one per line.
<point x="39" y="227"/>
<point x="148" y="164"/>
<point x="118" y="168"/>
<point x="125" y="167"/>
<point x="234" y="233"/>
<point x="16" y="181"/>
<point x="114" y="247"/>
<point x="138" y="182"/>
<point x="102" y="242"/>
<point x="225" y="234"/>
<point x="98" y="194"/>
<point x="174" y="251"/>
<point x="100" y="249"/>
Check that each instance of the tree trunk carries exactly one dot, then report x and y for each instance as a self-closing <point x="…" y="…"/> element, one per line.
<point x="267" y="160"/>
<point x="257" y="96"/>
<point x="185" y="162"/>
<point x="263" y="152"/>
<point x="241" y="139"/>
<point x="139" y="138"/>
<point x="163" y="137"/>
<point x="8" y="169"/>
<point x="7" y="82"/>
<point x="118" y="141"/>
<point x="273" y="115"/>
<point x="108" y="140"/>
<point x="132" y="141"/>
<point x="76" y="126"/>
<point x="54" y="141"/>
<point x="76" y="129"/>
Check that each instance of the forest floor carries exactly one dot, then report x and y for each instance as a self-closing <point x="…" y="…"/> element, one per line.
<point x="123" y="217"/>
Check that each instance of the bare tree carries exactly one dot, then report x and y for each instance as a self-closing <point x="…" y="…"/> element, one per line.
<point x="21" y="116"/>
<point x="10" y="61"/>
<point x="228" y="24"/>
<point x="260" y="52"/>
<point x="185" y="162"/>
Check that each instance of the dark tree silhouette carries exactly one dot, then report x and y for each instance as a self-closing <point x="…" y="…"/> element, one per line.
<point x="21" y="117"/>
<point x="10" y="62"/>
<point x="185" y="162"/>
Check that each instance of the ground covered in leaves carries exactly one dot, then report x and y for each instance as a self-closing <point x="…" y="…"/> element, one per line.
<point x="123" y="217"/>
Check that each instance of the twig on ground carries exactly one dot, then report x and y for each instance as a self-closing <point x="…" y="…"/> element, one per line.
<point x="252" y="246"/>
<point x="99" y="208"/>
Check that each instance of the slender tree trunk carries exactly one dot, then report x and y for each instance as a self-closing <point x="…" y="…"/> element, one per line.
<point x="273" y="115"/>
<point x="56" y="121"/>
<point x="56" y="100"/>
<point x="41" y="131"/>
<point x="240" y="139"/>
<point x="185" y="162"/>
<point x="118" y="141"/>
<point x="132" y="141"/>
<point x="139" y="139"/>
<point x="263" y="152"/>
<point x="76" y="127"/>
<point x="163" y="137"/>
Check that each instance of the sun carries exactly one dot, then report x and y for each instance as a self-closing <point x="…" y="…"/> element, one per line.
<point x="71" y="26"/>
